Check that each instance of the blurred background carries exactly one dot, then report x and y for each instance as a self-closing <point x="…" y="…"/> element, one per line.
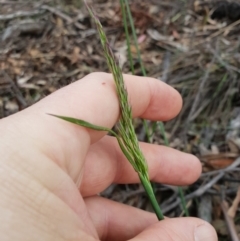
<point x="193" y="46"/>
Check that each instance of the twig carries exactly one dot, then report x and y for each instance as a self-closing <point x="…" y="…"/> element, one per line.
<point x="227" y="95"/>
<point x="170" y="199"/>
<point x="205" y="208"/>
<point x="198" y="97"/>
<point x="11" y="2"/>
<point x="215" y="34"/>
<point x="22" y="27"/>
<point x="204" y="188"/>
<point x="63" y="16"/>
<point x="20" y="14"/>
<point x="233" y="209"/>
<point x="200" y="109"/>
<point x="194" y="194"/>
<point x="154" y="34"/>
<point x="185" y="77"/>
<point x="227" y="169"/>
<point x="196" y="101"/>
<point x="207" y="186"/>
<point x="16" y="90"/>
<point x="228" y="67"/>
<point x="231" y="180"/>
<point x="230" y="222"/>
<point x="229" y="191"/>
<point x="1" y="108"/>
<point x="166" y="67"/>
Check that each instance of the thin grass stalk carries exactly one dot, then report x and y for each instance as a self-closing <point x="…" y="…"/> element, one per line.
<point x="145" y="125"/>
<point x="183" y="201"/>
<point x="123" y="9"/>
<point x="162" y="129"/>
<point x="125" y="5"/>
<point x="126" y="136"/>
<point x="161" y="125"/>
<point x="135" y="37"/>
<point x="127" y="35"/>
<point x="140" y="59"/>
<point x="126" y="128"/>
<point x="180" y="190"/>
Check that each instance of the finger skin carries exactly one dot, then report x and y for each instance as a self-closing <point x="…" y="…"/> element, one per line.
<point x="117" y="221"/>
<point x="120" y="222"/>
<point x="31" y="211"/>
<point x="178" y="229"/>
<point x="105" y="164"/>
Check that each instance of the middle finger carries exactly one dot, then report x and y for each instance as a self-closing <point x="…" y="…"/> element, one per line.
<point x="106" y="164"/>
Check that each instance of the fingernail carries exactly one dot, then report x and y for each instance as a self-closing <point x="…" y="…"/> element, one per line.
<point x="205" y="232"/>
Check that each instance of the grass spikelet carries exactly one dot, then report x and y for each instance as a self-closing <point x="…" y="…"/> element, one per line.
<point x="126" y="136"/>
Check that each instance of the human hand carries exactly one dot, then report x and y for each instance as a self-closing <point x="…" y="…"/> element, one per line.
<point x="51" y="171"/>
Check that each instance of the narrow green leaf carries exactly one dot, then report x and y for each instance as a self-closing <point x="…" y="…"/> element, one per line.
<point x="99" y="128"/>
<point x="83" y="123"/>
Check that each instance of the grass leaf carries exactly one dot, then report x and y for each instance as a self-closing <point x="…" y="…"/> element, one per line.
<point x="83" y="123"/>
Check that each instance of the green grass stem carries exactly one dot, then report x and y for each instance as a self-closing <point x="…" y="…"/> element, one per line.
<point x="180" y="190"/>
<point x="125" y="6"/>
<point x="135" y="37"/>
<point x="126" y="136"/>
<point x="183" y="201"/>
<point x="126" y="129"/>
<point x="125" y="23"/>
<point x="151" y="195"/>
<point x="162" y="129"/>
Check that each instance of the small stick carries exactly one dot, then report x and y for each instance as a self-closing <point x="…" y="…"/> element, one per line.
<point x="227" y="169"/>
<point x="196" y="193"/>
<point x="206" y="187"/>
<point x="166" y="67"/>
<point x="16" y="90"/>
<point x="20" y="14"/>
<point x="230" y="222"/>
<point x="227" y="66"/>
<point x="11" y="2"/>
<point x="63" y="16"/>
<point x="233" y="209"/>
<point x="215" y="34"/>
<point x="198" y="97"/>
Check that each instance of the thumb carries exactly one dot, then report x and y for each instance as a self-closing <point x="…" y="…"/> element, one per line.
<point x="178" y="229"/>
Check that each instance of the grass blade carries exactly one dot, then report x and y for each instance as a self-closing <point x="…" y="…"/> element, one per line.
<point x="83" y="123"/>
<point x="135" y="37"/>
<point x="123" y="7"/>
